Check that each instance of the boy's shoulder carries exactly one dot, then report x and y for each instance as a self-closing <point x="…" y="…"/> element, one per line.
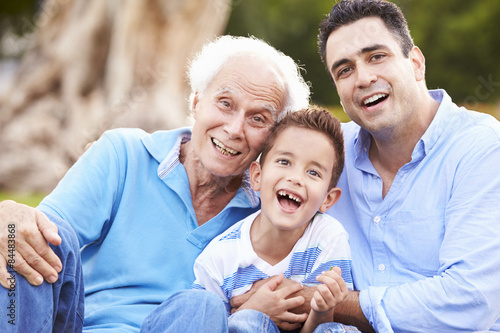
<point x="325" y="224"/>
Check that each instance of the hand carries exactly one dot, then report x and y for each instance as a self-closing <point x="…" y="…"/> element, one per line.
<point x="276" y="303"/>
<point x="331" y="292"/>
<point x="33" y="257"/>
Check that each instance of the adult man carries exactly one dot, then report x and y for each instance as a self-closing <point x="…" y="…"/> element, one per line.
<point x="143" y="206"/>
<point x="420" y="186"/>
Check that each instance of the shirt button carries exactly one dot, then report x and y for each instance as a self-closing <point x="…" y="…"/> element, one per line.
<point x="376" y="219"/>
<point x="381" y="267"/>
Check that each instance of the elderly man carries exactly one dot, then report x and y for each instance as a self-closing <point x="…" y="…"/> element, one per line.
<point x="143" y="206"/>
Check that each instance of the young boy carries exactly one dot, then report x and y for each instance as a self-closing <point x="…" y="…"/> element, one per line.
<point x="299" y="168"/>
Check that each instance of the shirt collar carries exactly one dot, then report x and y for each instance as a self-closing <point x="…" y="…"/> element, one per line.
<point x="166" y="150"/>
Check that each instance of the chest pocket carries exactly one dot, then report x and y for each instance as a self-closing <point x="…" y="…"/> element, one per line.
<point x="419" y="237"/>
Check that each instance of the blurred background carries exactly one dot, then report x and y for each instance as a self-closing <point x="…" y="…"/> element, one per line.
<point x="71" y="69"/>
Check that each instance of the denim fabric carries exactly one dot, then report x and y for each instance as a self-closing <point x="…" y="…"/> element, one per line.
<point x="188" y="311"/>
<point x="57" y="307"/>
<point x="203" y="311"/>
<point x="251" y="321"/>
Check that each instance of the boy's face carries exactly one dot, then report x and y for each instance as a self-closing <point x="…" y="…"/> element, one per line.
<point x="294" y="179"/>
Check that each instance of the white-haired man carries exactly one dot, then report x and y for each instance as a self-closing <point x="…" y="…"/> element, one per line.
<point x="143" y="206"/>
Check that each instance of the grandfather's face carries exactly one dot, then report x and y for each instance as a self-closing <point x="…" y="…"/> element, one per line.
<point x="234" y="115"/>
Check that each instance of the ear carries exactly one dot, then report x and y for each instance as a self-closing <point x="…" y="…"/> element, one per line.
<point x="331" y="198"/>
<point x="194" y="103"/>
<point x="255" y="172"/>
<point x="418" y="61"/>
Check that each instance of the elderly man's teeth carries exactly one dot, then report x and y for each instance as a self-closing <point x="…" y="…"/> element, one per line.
<point x="374" y="98"/>
<point x="223" y="149"/>
<point x="290" y="196"/>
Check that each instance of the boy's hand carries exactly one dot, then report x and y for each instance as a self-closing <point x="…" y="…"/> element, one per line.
<point x="267" y="299"/>
<point x="331" y="292"/>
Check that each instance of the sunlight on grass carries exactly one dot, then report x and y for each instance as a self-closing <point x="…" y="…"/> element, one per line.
<point x="28" y="199"/>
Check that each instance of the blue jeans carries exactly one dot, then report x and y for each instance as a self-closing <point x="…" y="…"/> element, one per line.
<point x="203" y="311"/>
<point x="57" y="307"/>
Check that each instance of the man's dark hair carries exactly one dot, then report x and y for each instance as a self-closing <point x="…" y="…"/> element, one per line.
<point x="349" y="11"/>
<point x="318" y="120"/>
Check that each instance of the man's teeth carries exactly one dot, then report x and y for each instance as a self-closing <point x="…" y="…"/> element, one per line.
<point x="290" y="196"/>
<point x="223" y="149"/>
<point x="374" y="98"/>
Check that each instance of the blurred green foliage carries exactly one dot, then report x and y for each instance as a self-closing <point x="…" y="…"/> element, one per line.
<point x="17" y="16"/>
<point x="460" y="40"/>
<point x="32" y="199"/>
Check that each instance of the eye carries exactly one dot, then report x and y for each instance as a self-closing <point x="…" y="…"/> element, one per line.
<point x="314" y="173"/>
<point x="225" y="104"/>
<point x="283" y="161"/>
<point x="377" y="57"/>
<point x="344" y="72"/>
<point x="259" y="120"/>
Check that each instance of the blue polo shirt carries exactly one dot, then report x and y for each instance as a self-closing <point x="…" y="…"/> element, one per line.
<point x="128" y="200"/>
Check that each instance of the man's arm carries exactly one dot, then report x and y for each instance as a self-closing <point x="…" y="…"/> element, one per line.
<point x="24" y="233"/>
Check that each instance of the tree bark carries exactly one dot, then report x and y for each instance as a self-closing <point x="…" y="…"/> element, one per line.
<point x="97" y="65"/>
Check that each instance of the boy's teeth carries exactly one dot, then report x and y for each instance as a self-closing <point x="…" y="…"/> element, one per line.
<point x="223" y="149"/>
<point x="374" y="98"/>
<point x="290" y="196"/>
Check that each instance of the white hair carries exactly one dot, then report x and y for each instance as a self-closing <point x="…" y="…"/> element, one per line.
<point x="208" y="62"/>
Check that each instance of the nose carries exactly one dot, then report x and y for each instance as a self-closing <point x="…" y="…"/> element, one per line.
<point x="294" y="178"/>
<point x="365" y="76"/>
<point x="234" y="125"/>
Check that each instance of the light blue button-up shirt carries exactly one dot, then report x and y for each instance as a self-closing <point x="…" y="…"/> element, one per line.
<point x="427" y="256"/>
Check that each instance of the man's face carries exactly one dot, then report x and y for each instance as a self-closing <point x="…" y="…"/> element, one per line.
<point x="376" y="83"/>
<point x="235" y="113"/>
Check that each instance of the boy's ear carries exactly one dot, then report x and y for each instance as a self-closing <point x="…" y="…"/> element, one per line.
<point x="331" y="198"/>
<point x="255" y="172"/>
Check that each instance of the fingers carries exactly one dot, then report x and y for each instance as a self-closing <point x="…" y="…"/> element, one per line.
<point x="47" y="228"/>
<point x="331" y="292"/>
<point x="274" y="282"/>
<point x="23" y="245"/>
<point x="5" y="276"/>
<point x="31" y="264"/>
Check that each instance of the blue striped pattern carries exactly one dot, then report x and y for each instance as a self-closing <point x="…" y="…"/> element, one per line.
<point x="243" y="277"/>
<point x="302" y="262"/>
<point x="345" y="266"/>
<point x="235" y="234"/>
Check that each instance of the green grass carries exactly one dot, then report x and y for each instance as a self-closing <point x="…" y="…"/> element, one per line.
<point x="32" y="199"/>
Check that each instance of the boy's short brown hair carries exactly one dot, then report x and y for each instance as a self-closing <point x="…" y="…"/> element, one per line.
<point x="316" y="119"/>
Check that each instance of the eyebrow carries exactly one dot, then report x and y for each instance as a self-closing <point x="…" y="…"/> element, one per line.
<point x="364" y="50"/>
<point x="227" y="90"/>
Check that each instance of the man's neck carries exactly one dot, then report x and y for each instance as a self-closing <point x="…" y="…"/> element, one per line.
<point x="209" y="193"/>
<point x="391" y="150"/>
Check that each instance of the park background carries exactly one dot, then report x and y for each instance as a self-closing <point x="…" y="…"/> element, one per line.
<point x="71" y="69"/>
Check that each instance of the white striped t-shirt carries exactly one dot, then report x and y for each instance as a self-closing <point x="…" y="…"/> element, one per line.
<point x="229" y="266"/>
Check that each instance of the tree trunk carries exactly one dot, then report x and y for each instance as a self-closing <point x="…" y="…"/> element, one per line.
<point x="97" y="65"/>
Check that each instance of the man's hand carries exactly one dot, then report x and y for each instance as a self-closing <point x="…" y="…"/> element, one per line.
<point x="276" y="303"/>
<point x="31" y="257"/>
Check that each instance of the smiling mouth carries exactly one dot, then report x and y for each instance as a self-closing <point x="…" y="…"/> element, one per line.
<point x="375" y="99"/>
<point x="223" y="149"/>
<point x="288" y="200"/>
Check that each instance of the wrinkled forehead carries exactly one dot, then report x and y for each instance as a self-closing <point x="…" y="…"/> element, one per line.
<point x="254" y="78"/>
